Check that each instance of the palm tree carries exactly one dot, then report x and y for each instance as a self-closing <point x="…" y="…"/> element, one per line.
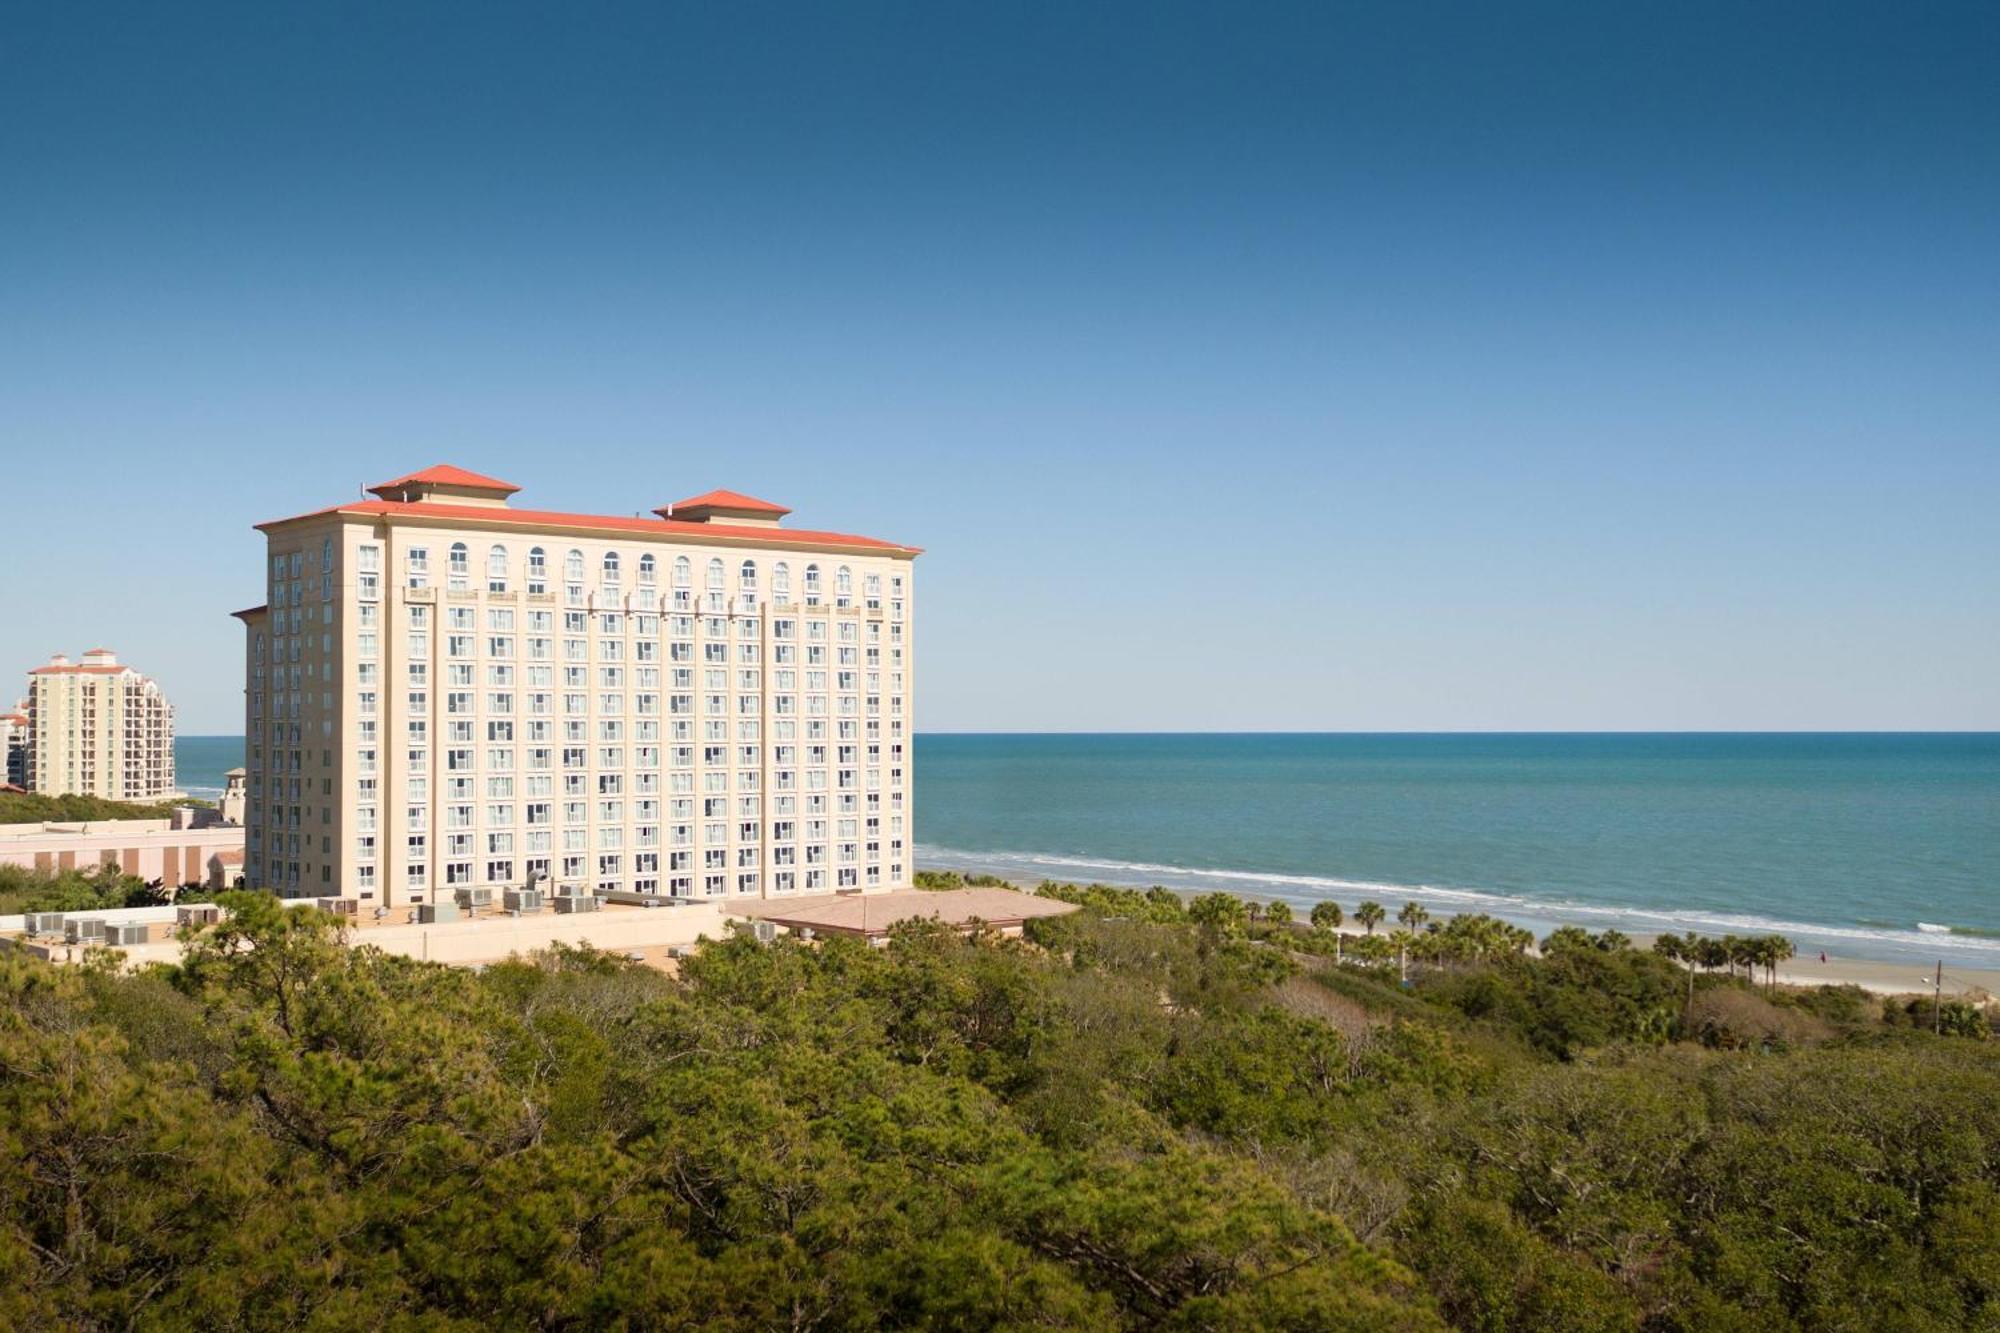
<point x="1255" y="909"/>
<point x="1781" y="949"/>
<point x="1370" y="915"/>
<point x="1401" y="940"/>
<point x="1278" y="913"/>
<point x="1680" y="949"/>
<point x="1326" y="915"/>
<point x="1413" y="915"/>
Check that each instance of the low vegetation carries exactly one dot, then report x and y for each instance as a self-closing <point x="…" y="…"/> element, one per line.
<point x="25" y="890"/>
<point x="19" y="807"/>
<point x="1152" y="1113"/>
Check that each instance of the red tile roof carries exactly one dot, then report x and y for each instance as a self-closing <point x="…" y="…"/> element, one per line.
<point x="732" y="500"/>
<point x="444" y="474"/>
<point x="656" y="527"/>
<point x="73" y="669"/>
<point x="14" y="717"/>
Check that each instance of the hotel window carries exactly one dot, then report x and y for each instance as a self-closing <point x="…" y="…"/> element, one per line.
<point x="648" y="571"/>
<point x="843" y="587"/>
<point x="538" y="572"/>
<point x="746" y="581"/>
<point x="459" y="568"/>
<point x="496" y="569"/>
<point x="611" y="572"/>
<point x="812" y="585"/>
<point x="573" y="578"/>
<point x="781" y="582"/>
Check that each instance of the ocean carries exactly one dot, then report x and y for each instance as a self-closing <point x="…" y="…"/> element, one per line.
<point x="1879" y="846"/>
<point x="1883" y="846"/>
<point x="200" y="762"/>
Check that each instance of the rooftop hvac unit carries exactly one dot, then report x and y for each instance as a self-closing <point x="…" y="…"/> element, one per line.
<point x="763" y="931"/>
<point x="338" y="906"/>
<point x="431" y="914"/>
<point x="679" y="951"/>
<point x="83" y="932"/>
<point x="578" y="902"/>
<point x="197" y="914"/>
<point x="522" y="900"/>
<point x="45" y="923"/>
<point x="131" y="933"/>
<point x="474" y="899"/>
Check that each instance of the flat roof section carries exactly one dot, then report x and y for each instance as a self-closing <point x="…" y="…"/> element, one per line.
<point x="873" y="914"/>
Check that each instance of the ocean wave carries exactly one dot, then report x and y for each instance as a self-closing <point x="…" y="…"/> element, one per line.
<point x="1926" y="939"/>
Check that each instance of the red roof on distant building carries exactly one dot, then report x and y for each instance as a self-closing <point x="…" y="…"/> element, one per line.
<point x="14" y="717"/>
<point x="250" y="611"/>
<point x="75" y="669"/>
<point x="444" y="474"/>
<point x="735" y="500"/>
<point x="658" y="527"/>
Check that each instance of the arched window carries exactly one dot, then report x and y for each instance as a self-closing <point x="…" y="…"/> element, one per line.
<point x="746" y="579"/>
<point x="461" y="567"/>
<point x="647" y="570"/>
<point x="538" y="570"/>
<point x="715" y="576"/>
<point x="573" y="579"/>
<point x="843" y="586"/>
<point x="496" y="568"/>
<point x="781" y="582"/>
<point x="611" y="569"/>
<point x="683" y="573"/>
<point x="812" y="585"/>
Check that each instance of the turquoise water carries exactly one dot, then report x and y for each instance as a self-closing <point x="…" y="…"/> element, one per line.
<point x="1844" y="842"/>
<point x="200" y="762"/>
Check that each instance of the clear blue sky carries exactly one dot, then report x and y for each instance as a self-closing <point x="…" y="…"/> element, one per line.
<point x="1392" y="366"/>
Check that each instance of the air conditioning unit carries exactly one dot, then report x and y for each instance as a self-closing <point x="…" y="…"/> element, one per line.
<point x="338" y="906"/>
<point x="83" y="932"/>
<point x="472" y="900"/>
<point x="45" y="923"/>
<point x="763" y="931"/>
<point x="197" y="914"/>
<point x="678" y="951"/>
<point x="119" y="936"/>
<point x="431" y="914"/>
<point x="579" y="902"/>
<point x="523" y="900"/>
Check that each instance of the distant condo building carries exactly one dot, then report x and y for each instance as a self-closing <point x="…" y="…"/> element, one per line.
<point x="445" y="691"/>
<point x="14" y="744"/>
<point x="98" y="728"/>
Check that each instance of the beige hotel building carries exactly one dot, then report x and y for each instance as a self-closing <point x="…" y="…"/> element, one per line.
<point x="447" y="691"/>
<point x="98" y="728"/>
